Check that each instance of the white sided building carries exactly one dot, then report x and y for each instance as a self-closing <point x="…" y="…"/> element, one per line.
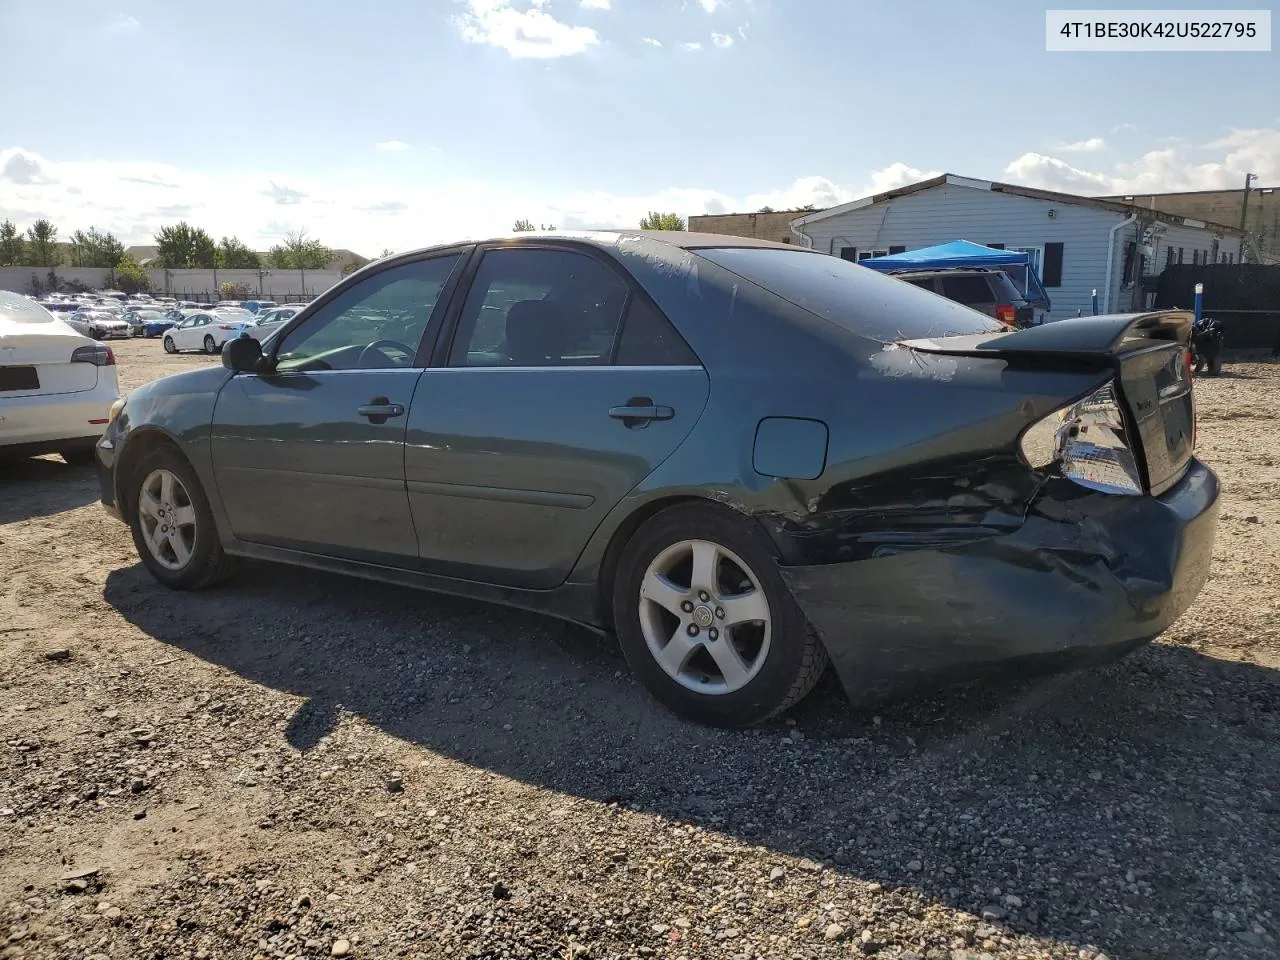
<point x="1076" y="244"/>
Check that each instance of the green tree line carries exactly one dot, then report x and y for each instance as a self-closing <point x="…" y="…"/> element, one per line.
<point x="181" y="246"/>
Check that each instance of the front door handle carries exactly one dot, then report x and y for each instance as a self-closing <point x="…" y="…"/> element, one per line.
<point x="379" y="409"/>
<point x="639" y="411"/>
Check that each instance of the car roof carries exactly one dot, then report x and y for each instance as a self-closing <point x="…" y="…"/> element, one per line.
<point x="679" y="239"/>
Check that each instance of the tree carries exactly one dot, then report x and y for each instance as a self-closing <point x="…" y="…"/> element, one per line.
<point x="42" y="245"/>
<point x="10" y="245"/>
<point x="523" y="226"/>
<point x="354" y="265"/>
<point x="386" y="252"/>
<point x="182" y="247"/>
<point x="94" y="249"/>
<point x="131" y="278"/>
<point x="233" y="291"/>
<point x="234" y="255"/>
<point x="662" y="221"/>
<point x="300" y="252"/>
<point x="765" y="209"/>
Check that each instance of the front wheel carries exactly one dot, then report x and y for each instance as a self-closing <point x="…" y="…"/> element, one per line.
<point x="706" y="622"/>
<point x="172" y="525"/>
<point x="169" y="345"/>
<point x="209" y="345"/>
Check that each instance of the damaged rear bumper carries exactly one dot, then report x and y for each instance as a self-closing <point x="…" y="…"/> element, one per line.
<point x="1086" y="577"/>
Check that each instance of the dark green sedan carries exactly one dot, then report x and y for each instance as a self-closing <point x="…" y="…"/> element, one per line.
<point x="742" y="459"/>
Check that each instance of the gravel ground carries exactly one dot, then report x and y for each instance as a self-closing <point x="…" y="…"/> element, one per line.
<point x="299" y="765"/>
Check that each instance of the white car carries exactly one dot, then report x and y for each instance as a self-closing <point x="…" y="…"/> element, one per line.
<point x="56" y="386"/>
<point x="203" y="330"/>
<point x="269" y="321"/>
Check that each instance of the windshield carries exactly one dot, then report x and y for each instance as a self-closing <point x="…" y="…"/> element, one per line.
<point x="857" y="298"/>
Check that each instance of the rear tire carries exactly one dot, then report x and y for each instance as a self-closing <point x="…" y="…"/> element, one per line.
<point x="172" y="525"/>
<point x="209" y="345"/>
<point x="703" y="584"/>
<point x="169" y="345"/>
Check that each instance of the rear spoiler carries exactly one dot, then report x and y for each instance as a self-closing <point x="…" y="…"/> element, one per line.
<point x="1092" y="338"/>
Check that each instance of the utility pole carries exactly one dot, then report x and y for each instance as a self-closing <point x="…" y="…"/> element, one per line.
<point x="1246" y="240"/>
<point x="1244" y="206"/>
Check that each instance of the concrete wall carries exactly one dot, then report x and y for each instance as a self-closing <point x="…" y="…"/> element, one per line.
<point x="954" y="212"/>
<point x="1223" y="206"/>
<point x="762" y="226"/>
<point x="184" y="283"/>
<point x="271" y="283"/>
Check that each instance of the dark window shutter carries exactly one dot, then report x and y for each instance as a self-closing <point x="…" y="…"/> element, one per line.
<point x="893" y="250"/>
<point x="1052" y="265"/>
<point x="849" y="253"/>
<point x="996" y="246"/>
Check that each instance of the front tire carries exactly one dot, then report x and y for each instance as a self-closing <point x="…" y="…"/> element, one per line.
<point x="209" y="345"/>
<point x="169" y="345"/>
<point x="706" y="622"/>
<point x="172" y="525"/>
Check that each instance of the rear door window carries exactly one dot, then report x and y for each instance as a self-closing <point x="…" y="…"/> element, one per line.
<point x="531" y="307"/>
<point x="858" y="298"/>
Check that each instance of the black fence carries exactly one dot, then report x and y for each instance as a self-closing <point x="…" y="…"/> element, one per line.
<point x="1243" y="297"/>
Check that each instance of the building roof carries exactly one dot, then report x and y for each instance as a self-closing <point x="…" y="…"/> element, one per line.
<point x="952" y="179"/>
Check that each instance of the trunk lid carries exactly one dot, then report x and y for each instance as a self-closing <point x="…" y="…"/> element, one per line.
<point x="36" y="360"/>
<point x="1146" y="351"/>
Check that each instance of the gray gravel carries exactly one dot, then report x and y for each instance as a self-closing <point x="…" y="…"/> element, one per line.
<point x="334" y="768"/>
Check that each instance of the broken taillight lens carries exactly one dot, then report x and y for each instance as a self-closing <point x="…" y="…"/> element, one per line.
<point x="1087" y="443"/>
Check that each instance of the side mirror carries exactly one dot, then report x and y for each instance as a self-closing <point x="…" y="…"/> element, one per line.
<point x="242" y="355"/>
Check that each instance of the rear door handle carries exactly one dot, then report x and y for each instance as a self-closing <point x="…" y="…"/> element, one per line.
<point x="379" y="409"/>
<point x="638" y="411"/>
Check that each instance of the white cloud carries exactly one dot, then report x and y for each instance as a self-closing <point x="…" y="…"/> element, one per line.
<point x="595" y="4"/>
<point x="651" y="42"/>
<point x="391" y="145"/>
<point x="1166" y="170"/>
<point x="710" y="5"/>
<point x="1125" y="128"/>
<point x="694" y="46"/>
<point x="1050" y="173"/>
<point x="722" y="40"/>
<point x="123" y="23"/>
<point x="742" y="30"/>
<point x="531" y="32"/>
<point x="1084" y="146"/>
<point x="365" y="211"/>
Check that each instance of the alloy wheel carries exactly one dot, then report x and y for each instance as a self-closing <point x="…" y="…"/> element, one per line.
<point x="169" y="345"/>
<point x="168" y="519"/>
<point x="705" y="617"/>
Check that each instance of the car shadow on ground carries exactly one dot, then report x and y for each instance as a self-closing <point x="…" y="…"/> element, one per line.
<point x="1063" y="790"/>
<point x="43" y="486"/>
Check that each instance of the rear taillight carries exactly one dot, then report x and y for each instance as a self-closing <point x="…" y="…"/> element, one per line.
<point x="98" y="354"/>
<point x="1087" y="443"/>
<point x="225" y="326"/>
<point x="1007" y="314"/>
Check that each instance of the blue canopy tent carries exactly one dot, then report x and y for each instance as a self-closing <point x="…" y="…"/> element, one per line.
<point x="963" y="253"/>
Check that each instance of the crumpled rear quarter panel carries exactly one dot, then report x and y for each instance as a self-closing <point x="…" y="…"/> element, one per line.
<point x="1084" y="577"/>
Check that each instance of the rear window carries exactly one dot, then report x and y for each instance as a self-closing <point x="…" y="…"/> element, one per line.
<point x="967" y="288"/>
<point x="858" y="298"/>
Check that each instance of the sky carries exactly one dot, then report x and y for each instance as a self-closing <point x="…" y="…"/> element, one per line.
<point x="391" y="124"/>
